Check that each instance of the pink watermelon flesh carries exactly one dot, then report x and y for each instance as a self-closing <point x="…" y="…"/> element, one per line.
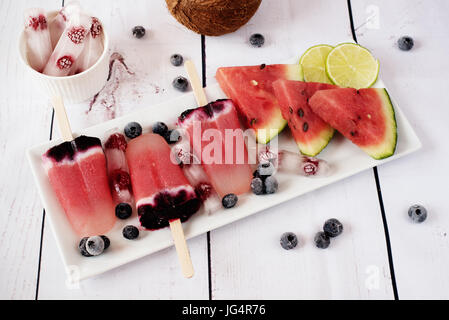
<point x="365" y="116"/>
<point x="310" y="132"/>
<point x="251" y="89"/>
<point x="77" y="174"/>
<point x="232" y="175"/>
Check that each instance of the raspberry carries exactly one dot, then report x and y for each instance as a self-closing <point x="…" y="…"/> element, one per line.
<point x="39" y="22"/>
<point x="121" y="179"/>
<point x="77" y="34"/>
<point x="64" y="62"/>
<point x="96" y="28"/>
<point x="116" y="141"/>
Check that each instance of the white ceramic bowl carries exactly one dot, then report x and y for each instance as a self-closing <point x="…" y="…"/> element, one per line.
<point x="76" y="88"/>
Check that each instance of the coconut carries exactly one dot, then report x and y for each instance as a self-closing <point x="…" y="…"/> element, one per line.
<point x="213" y="17"/>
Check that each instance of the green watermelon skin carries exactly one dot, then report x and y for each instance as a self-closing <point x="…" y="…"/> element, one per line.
<point x="310" y="132"/>
<point x="251" y="89"/>
<point x="364" y="116"/>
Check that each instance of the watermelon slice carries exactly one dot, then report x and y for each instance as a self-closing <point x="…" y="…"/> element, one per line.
<point x="310" y="132"/>
<point x="251" y="89"/>
<point x="365" y="116"/>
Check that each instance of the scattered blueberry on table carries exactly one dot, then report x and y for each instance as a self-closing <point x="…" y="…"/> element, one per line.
<point x="271" y="185"/>
<point x="405" y="43"/>
<point x="333" y="227"/>
<point x="321" y="240"/>
<point x="176" y="59"/>
<point x="180" y="83"/>
<point x="133" y="130"/>
<point x="130" y="232"/>
<point x="257" y="40"/>
<point x="138" y="32"/>
<point x="257" y="186"/>
<point x="95" y="245"/>
<point x="160" y="128"/>
<point x="289" y="240"/>
<point x="123" y="210"/>
<point x="229" y="200"/>
<point x="417" y="213"/>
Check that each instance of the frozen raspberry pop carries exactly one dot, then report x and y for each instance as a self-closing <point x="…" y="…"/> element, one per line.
<point x="37" y="38"/>
<point x="77" y="173"/>
<point x="59" y="22"/>
<point x="119" y="179"/>
<point x="229" y="172"/>
<point x="161" y="190"/>
<point x="69" y="47"/>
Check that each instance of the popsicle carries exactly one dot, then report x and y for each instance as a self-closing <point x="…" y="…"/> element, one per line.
<point x="162" y="193"/>
<point x="119" y="179"/>
<point x="93" y="47"/>
<point x="197" y="178"/>
<point x="59" y="22"/>
<point x="230" y="171"/>
<point x="69" y="47"/>
<point x="37" y="38"/>
<point x="77" y="173"/>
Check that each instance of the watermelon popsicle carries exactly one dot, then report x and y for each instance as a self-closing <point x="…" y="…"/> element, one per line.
<point x="77" y="173"/>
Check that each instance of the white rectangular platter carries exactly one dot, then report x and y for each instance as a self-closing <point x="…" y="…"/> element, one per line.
<point x="345" y="158"/>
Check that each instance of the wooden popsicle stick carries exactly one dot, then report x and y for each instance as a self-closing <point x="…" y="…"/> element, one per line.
<point x="195" y="82"/>
<point x="181" y="248"/>
<point x="61" y="116"/>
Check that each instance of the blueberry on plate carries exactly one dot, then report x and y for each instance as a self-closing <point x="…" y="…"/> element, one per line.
<point x="229" y="200"/>
<point x="130" y="232"/>
<point x="289" y="240"/>
<point x="123" y="210"/>
<point x="321" y="240"/>
<point x="257" y="186"/>
<point x="256" y="40"/>
<point x="405" y="43"/>
<point x="95" y="245"/>
<point x="106" y="240"/>
<point x="172" y="136"/>
<point x="180" y="83"/>
<point x="417" y="213"/>
<point x="332" y="227"/>
<point x="160" y="128"/>
<point x="176" y="59"/>
<point x="82" y="247"/>
<point x="271" y="185"/>
<point x="133" y="130"/>
<point x="138" y="32"/>
<point x="266" y="169"/>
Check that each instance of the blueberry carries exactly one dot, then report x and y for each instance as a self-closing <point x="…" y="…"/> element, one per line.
<point x="333" y="227"/>
<point x="289" y="240"/>
<point x="172" y="136"/>
<point x="176" y="60"/>
<point x="405" y="43"/>
<point x="271" y="185"/>
<point x="229" y="200"/>
<point x="95" y="245"/>
<point x="138" y="32"/>
<point x="130" y="232"/>
<point x="123" y="210"/>
<point x="257" y="186"/>
<point x="107" y="242"/>
<point x="180" y="83"/>
<point x="321" y="240"/>
<point x="82" y="247"/>
<point x="417" y="213"/>
<point x="266" y="169"/>
<point x="160" y="128"/>
<point x="256" y="40"/>
<point x="133" y="130"/>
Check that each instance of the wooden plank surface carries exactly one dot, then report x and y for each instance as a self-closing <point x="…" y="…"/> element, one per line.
<point x="417" y="80"/>
<point x="247" y="260"/>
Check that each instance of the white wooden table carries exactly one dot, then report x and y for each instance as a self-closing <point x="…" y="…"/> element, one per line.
<point x="382" y="255"/>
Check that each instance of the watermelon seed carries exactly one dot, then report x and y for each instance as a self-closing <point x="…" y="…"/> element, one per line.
<point x="290" y="109"/>
<point x="369" y="116"/>
<point x="359" y="117"/>
<point x="254" y="82"/>
<point x="353" y="133"/>
<point x="262" y="66"/>
<point x="305" y="127"/>
<point x="300" y="113"/>
<point x="253" y="121"/>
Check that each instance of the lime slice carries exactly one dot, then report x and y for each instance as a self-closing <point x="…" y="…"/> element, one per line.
<point x="351" y="65"/>
<point x="313" y="63"/>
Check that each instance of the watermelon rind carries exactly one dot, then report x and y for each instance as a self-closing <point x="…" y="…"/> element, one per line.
<point x="318" y="144"/>
<point x="388" y="146"/>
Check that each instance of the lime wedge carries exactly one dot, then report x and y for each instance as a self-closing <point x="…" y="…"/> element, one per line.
<point x="313" y="63"/>
<point x="351" y="65"/>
